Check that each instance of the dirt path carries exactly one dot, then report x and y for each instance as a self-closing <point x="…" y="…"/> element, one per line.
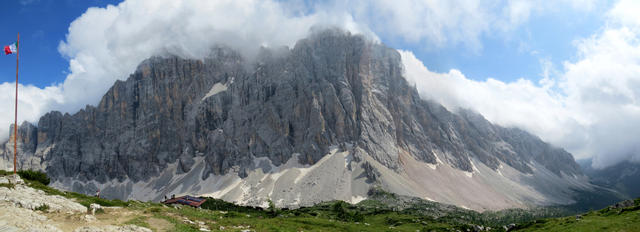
<point x="111" y="216"/>
<point x="160" y="225"/>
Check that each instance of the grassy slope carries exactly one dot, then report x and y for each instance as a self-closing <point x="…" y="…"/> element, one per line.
<point x="329" y="216"/>
<point x="607" y="219"/>
<point x="381" y="212"/>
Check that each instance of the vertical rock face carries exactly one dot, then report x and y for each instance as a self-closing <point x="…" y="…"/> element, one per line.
<point x="176" y="123"/>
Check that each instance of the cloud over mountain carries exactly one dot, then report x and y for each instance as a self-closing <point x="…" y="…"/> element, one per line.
<point x="589" y="107"/>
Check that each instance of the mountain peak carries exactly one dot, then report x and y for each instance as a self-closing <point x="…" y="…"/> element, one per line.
<point x="327" y="119"/>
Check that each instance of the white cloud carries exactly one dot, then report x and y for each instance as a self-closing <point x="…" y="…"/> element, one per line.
<point x="591" y="107"/>
<point x="438" y="23"/>
<point x="520" y="103"/>
<point x="441" y="23"/>
<point x="33" y="102"/>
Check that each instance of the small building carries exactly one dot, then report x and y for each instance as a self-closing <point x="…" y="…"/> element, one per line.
<point x="186" y="200"/>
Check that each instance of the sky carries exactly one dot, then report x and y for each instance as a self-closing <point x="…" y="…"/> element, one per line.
<point x="567" y="71"/>
<point x="41" y="62"/>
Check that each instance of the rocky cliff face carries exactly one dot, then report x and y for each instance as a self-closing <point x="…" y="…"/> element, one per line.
<point x="326" y="119"/>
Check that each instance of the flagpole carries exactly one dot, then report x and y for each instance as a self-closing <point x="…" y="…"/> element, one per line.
<point x="15" y="125"/>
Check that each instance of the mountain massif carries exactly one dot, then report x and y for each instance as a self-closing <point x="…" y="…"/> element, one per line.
<point x="622" y="177"/>
<point x="328" y="119"/>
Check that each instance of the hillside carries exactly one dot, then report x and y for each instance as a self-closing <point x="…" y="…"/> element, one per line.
<point x="624" y="216"/>
<point x="30" y="204"/>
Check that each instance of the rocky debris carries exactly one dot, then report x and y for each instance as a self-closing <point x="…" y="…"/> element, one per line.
<point x="25" y="197"/>
<point x="14" y="218"/>
<point x="623" y="204"/>
<point x="186" y="220"/>
<point x="21" y="211"/>
<point x="202" y="225"/>
<point x="18" y="206"/>
<point x="94" y="207"/>
<point x="479" y="228"/>
<point x="12" y="179"/>
<point x="509" y="227"/>
<point x="89" y="218"/>
<point x="110" y="228"/>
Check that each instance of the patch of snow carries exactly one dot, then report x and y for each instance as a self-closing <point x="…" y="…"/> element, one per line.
<point x="438" y="161"/>
<point x="473" y="167"/>
<point x="217" y="88"/>
<point x="356" y="199"/>
<point x="468" y="174"/>
<point x="297" y="200"/>
<point x="347" y="160"/>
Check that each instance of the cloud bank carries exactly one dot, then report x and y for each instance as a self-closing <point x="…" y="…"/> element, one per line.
<point x="589" y="107"/>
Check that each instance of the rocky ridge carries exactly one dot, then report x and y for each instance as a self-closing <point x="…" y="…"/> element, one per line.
<point x="332" y="115"/>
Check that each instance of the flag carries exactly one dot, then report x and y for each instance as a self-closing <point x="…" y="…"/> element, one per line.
<point x="9" y="49"/>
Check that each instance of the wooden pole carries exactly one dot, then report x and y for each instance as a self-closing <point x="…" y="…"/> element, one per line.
<point x="15" y="125"/>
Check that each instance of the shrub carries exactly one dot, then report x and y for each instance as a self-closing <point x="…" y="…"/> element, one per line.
<point x="391" y="221"/>
<point x="43" y="207"/>
<point x="342" y="213"/>
<point x="273" y="211"/>
<point x="34" y="176"/>
<point x="5" y="173"/>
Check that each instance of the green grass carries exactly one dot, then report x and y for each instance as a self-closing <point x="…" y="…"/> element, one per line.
<point x="29" y="175"/>
<point x="607" y="219"/>
<point x="43" y="207"/>
<point x="80" y="198"/>
<point x="288" y="221"/>
<point x="8" y="185"/>
<point x="328" y="216"/>
<point x="34" y="176"/>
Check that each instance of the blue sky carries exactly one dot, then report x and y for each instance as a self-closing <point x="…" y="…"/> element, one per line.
<point x="488" y="56"/>
<point x="512" y="55"/>
<point x="42" y="24"/>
